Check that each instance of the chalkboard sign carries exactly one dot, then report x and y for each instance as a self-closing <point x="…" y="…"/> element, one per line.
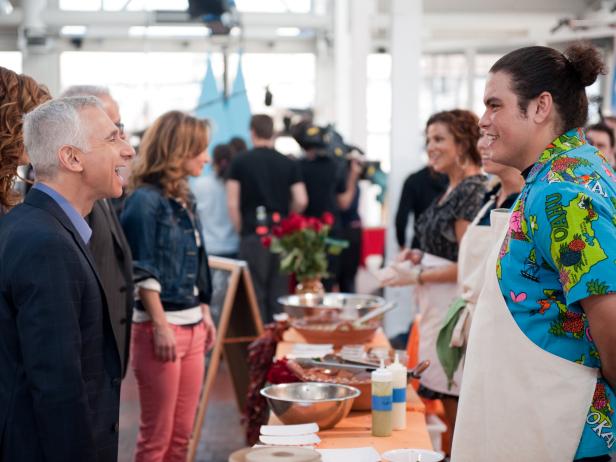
<point x="220" y="285"/>
<point x="235" y="311"/>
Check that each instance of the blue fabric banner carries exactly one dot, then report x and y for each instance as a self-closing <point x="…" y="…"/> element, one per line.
<point x="211" y="106"/>
<point x="238" y="107"/>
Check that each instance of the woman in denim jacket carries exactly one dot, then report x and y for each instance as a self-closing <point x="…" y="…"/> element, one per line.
<point x="172" y="327"/>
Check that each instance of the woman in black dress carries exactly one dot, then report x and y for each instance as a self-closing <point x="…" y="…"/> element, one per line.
<point x="451" y="141"/>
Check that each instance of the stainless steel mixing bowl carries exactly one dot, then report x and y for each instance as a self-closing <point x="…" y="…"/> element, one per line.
<point x="333" y="305"/>
<point x="305" y="402"/>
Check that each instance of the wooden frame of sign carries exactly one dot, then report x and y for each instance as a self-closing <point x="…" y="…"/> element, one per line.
<point x="235" y="309"/>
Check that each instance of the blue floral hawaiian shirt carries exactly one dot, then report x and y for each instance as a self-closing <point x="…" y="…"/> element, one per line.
<point x="560" y="249"/>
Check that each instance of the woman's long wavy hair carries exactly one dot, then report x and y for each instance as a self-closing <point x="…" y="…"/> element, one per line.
<point x="170" y="140"/>
<point x="19" y="94"/>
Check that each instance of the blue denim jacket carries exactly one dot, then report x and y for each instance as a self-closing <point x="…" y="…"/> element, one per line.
<point x="161" y="236"/>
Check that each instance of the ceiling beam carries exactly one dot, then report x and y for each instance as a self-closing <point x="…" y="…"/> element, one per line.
<point x="441" y="31"/>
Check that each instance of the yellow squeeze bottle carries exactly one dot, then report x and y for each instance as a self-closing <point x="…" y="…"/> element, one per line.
<point x="381" y="401"/>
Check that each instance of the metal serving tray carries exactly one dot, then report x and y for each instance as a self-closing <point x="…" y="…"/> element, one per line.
<point x="332" y="305"/>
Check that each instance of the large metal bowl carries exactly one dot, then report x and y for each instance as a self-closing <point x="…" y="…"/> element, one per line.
<point x="305" y="402"/>
<point x="337" y="333"/>
<point x="332" y="305"/>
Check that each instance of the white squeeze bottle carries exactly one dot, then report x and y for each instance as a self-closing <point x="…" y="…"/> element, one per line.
<point x="381" y="401"/>
<point x="398" y="372"/>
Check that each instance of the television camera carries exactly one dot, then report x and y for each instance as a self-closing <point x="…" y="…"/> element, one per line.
<point x="326" y="141"/>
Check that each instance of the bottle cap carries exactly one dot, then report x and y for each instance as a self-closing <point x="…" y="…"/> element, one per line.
<point x="381" y="374"/>
<point x="396" y="365"/>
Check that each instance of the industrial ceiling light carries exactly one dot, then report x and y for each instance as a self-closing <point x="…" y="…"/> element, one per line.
<point x="73" y="31"/>
<point x="288" y="31"/>
<point x="5" y="7"/>
<point x="167" y="31"/>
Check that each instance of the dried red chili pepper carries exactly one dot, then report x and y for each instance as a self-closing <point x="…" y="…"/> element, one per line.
<point x="260" y="355"/>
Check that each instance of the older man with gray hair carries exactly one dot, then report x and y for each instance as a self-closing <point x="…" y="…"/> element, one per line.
<point x="108" y="244"/>
<point x="59" y="365"/>
<point x="110" y="105"/>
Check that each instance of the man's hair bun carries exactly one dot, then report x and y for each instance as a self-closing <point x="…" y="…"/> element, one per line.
<point x="586" y="61"/>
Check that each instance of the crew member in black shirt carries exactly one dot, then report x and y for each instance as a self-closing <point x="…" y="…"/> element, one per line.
<point x="263" y="179"/>
<point x="330" y="184"/>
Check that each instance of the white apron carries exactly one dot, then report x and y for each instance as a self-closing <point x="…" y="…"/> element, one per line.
<point x="473" y="251"/>
<point x="433" y="301"/>
<point x="518" y="402"/>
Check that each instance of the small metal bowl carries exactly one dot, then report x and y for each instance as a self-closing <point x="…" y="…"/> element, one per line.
<point x="305" y="402"/>
<point x="331" y="305"/>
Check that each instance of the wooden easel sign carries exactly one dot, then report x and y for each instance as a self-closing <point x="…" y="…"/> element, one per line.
<point x="235" y="311"/>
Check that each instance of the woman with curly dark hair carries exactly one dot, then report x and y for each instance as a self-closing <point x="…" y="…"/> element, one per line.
<point x="19" y="94"/>
<point x="451" y="139"/>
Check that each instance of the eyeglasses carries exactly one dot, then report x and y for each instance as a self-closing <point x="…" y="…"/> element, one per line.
<point x="120" y="126"/>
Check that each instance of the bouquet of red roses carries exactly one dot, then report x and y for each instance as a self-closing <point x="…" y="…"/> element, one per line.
<point x="303" y="245"/>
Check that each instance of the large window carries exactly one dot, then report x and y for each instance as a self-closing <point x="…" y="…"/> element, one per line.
<point x="148" y="84"/>
<point x="275" y="6"/>
<point x="443" y="84"/>
<point x="11" y="60"/>
<point x="144" y="84"/>
<point x="483" y="63"/>
<point x="266" y="6"/>
<point x="378" y="108"/>
<point x="378" y="128"/>
<point x="117" y="5"/>
<point x="290" y="77"/>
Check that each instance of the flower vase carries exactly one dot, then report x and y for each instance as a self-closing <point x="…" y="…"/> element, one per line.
<point x="310" y="286"/>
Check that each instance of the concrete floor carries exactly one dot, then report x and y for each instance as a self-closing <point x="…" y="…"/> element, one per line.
<point x="221" y="434"/>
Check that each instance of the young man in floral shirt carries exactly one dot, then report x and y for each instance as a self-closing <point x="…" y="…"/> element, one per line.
<point x="556" y="269"/>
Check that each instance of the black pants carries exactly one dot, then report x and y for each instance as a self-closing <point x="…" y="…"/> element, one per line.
<point x="264" y="268"/>
<point x="333" y="264"/>
<point x="349" y="259"/>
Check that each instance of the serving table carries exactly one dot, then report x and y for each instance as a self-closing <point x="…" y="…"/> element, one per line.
<point x="355" y="429"/>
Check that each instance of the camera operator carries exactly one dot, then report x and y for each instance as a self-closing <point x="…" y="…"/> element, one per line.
<point x="330" y="185"/>
<point x="350" y="223"/>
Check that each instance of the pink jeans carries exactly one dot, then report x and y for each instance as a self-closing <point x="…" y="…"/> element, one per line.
<point x="168" y="392"/>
